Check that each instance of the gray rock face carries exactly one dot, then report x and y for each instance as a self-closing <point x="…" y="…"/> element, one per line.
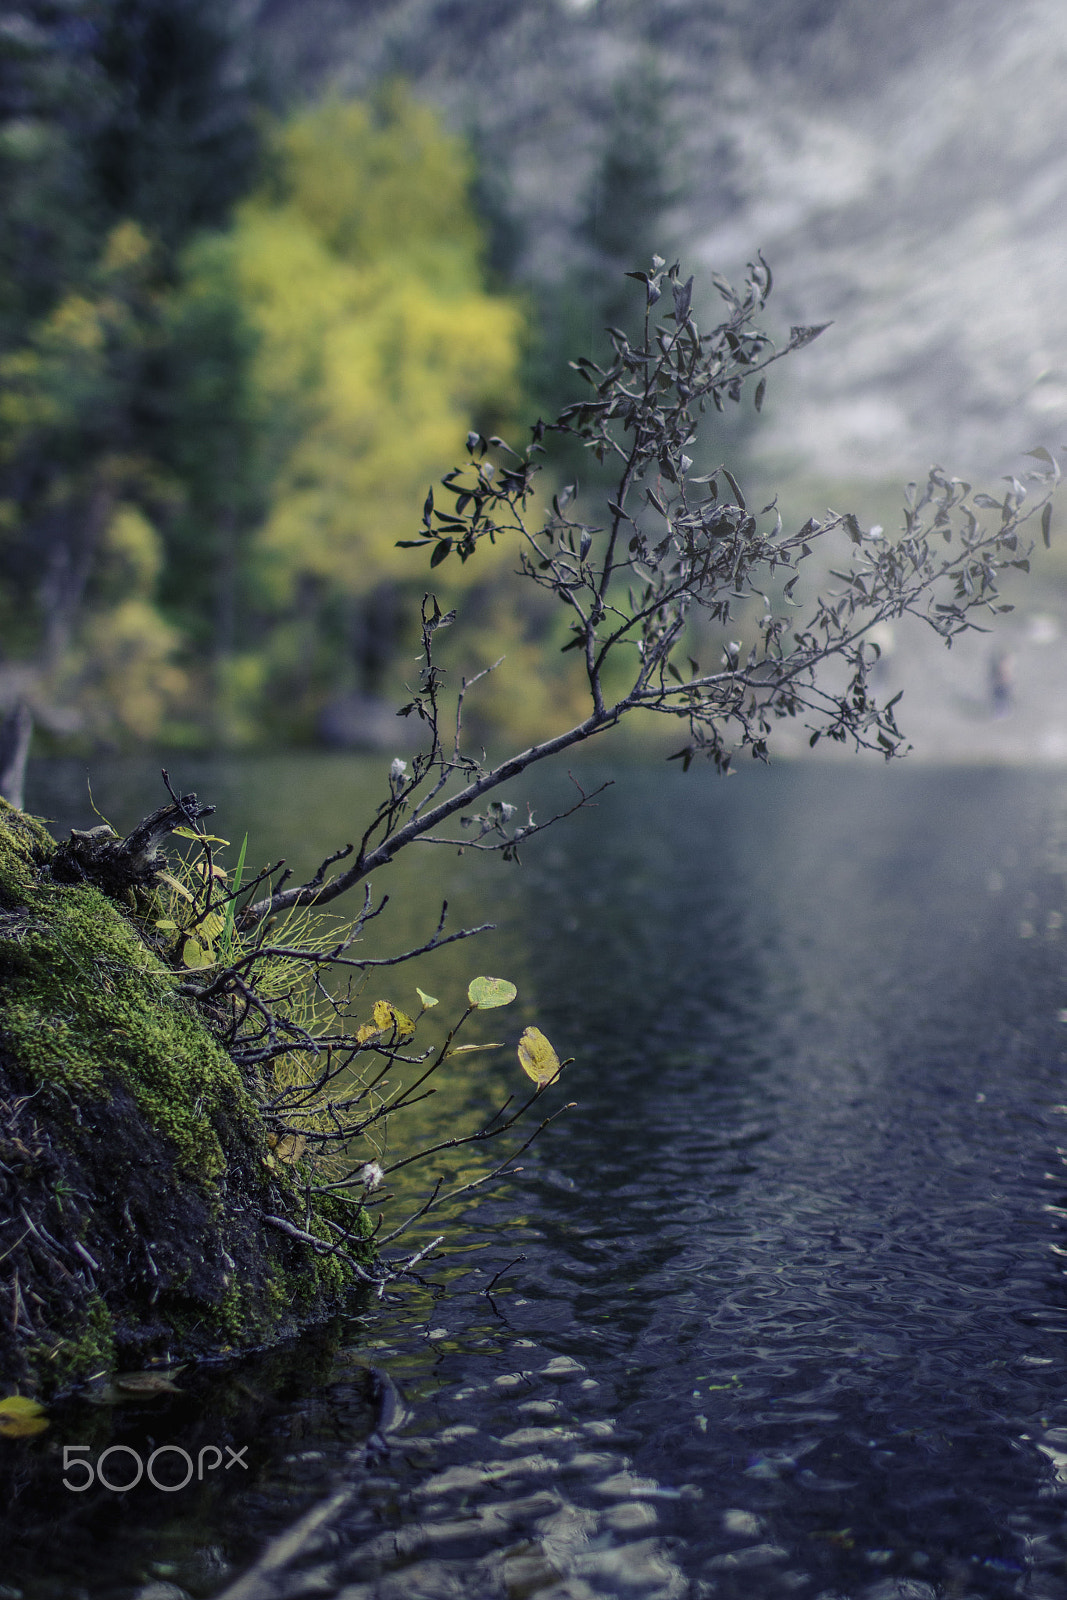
<point x="903" y="169"/>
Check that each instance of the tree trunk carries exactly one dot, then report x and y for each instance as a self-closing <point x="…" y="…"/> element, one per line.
<point x="69" y="569"/>
<point x="16" y="731"/>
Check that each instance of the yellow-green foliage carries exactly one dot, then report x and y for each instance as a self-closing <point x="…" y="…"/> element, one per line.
<point x="123" y="669"/>
<point x="65" y="368"/>
<point x="360" y="268"/>
<point x="84" y="1004"/>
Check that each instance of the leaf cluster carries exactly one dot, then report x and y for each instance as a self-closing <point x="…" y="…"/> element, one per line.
<point x="672" y="546"/>
<point x="327" y="1067"/>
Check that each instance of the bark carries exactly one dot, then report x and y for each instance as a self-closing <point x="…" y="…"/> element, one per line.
<point x="117" y="865"/>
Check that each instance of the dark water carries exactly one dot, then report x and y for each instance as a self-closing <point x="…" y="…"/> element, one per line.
<point x="791" y="1311"/>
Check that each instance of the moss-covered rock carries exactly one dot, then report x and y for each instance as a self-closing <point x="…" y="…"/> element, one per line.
<point x="134" y="1180"/>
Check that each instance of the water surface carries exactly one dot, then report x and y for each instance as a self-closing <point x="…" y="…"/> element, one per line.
<point x="789" y="1313"/>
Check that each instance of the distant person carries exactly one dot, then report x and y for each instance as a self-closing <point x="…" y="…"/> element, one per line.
<point x="1001" y="682"/>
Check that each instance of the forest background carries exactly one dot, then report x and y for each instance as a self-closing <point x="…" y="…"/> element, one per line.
<point x="264" y="265"/>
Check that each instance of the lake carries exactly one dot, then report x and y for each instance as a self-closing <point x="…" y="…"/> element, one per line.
<point x="779" y="1309"/>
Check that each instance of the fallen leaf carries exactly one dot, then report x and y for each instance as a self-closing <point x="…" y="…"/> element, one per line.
<point x="130" y="1386"/>
<point x="21" y="1417"/>
<point x="290" y="1147"/>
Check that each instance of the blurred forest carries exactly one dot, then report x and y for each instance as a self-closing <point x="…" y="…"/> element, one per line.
<point x="235" y="345"/>
<point x="264" y="264"/>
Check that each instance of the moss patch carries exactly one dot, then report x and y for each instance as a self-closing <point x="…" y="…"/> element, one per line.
<point x="132" y="1175"/>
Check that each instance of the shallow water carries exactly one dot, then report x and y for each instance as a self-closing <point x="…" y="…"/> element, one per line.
<point x="790" y="1310"/>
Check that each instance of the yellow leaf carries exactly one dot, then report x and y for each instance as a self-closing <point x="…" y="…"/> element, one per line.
<point x="466" y="1049"/>
<point x="174" y="884"/>
<point x="290" y="1147"/>
<point x="388" y="1019"/>
<point x="21" y="1418"/>
<point x="537" y="1057"/>
<point x="404" y="1026"/>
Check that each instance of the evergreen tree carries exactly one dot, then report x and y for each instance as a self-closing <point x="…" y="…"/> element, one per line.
<point x="624" y="222"/>
<point x="125" y="126"/>
<point x="175" y="143"/>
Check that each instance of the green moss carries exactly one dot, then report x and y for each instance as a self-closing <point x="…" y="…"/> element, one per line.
<point x="130" y="1142"/>
<point x="93" y="1351"/>
<point x="84" y="1000"/>
<point x="234" y="1314"/>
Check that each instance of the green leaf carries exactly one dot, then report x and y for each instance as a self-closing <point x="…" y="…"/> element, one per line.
<point x="732" y="481"/>
<point x="444" y="548"/>
<point x="428" y="1000"/>
<point x="488" y="993"/>
<point x="761" y="390"/>
<point x="1046" y="520"/>
<point x="201" y="838"/>
<point x="798" y="337"/>
<point x="196" y="955"/>
<point x="468" y="1049"/>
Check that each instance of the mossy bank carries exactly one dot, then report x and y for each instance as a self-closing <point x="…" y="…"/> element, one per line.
<point x="135" y="1179"/>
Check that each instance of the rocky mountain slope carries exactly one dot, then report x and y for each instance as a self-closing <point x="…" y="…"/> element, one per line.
<point x="904" y="169"/>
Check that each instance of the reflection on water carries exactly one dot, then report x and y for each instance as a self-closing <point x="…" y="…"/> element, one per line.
<point x="790" y="1309"/>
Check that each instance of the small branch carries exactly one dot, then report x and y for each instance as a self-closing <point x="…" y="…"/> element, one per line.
<point x="320" y="1246"/>
<point x="414" y="829"/>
